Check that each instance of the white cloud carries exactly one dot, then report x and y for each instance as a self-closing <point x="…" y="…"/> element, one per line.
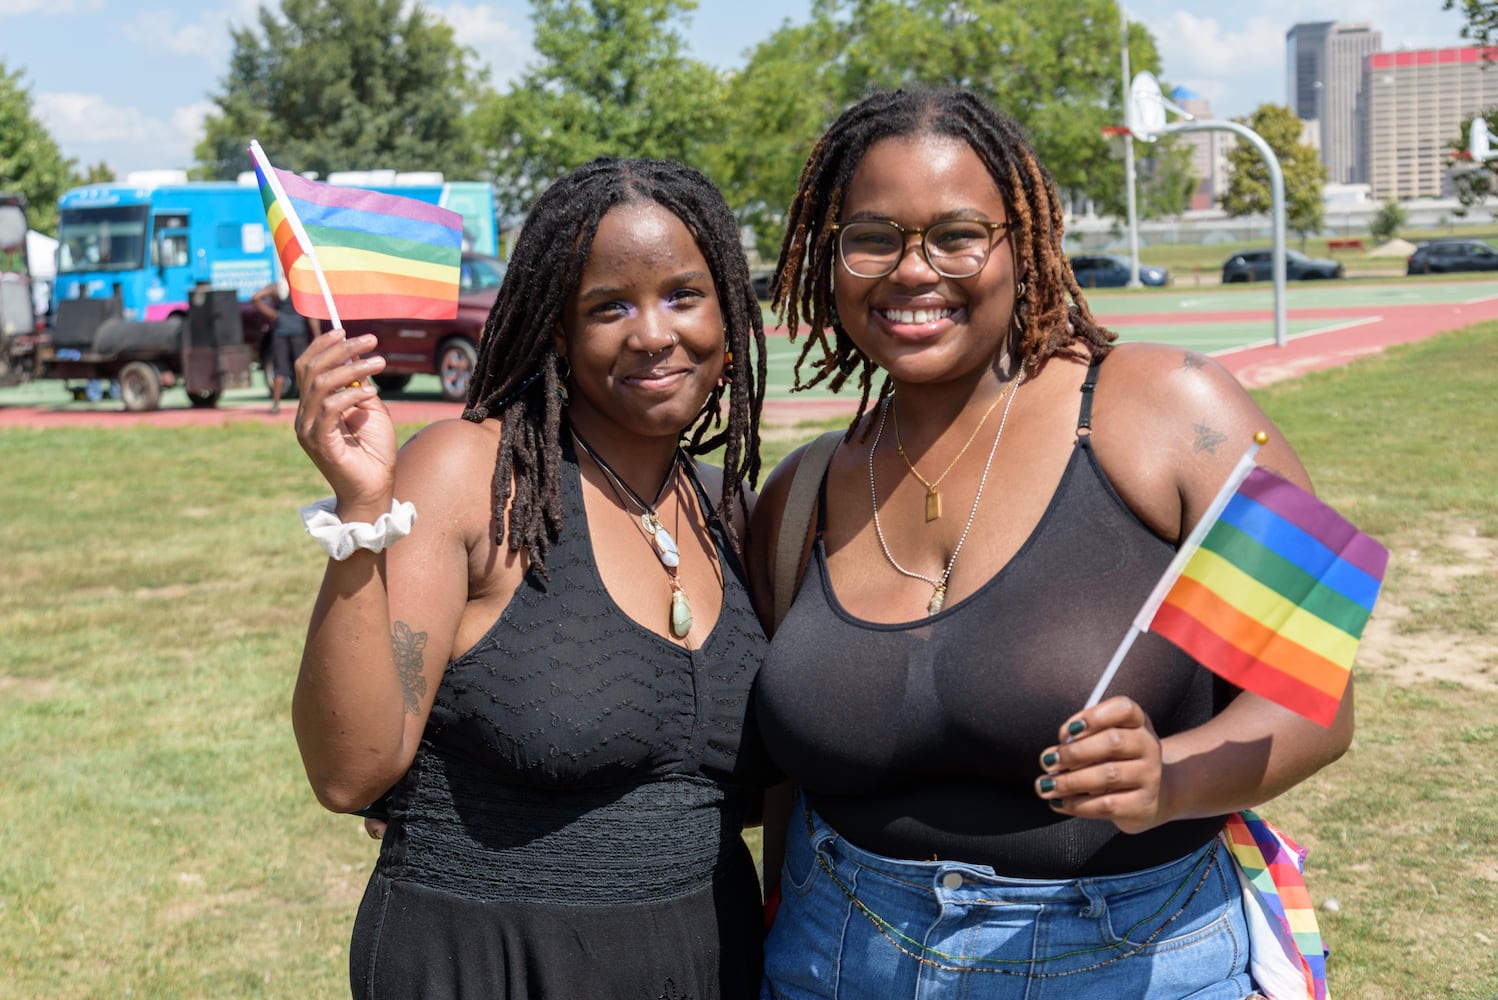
<point x="1236" y="68"/>
<point x="15" y="8"/>
<point x="89" y="127"/>
<point x="501" y="38"/>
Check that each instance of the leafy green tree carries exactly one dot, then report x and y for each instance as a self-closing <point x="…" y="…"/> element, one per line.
<point x="774" y="112"/>
<point x="1387" y="222"/>
<point x="1304" y="174"/>
<point x="99" y="173"/>
<point x="1480" y="17"/>
<point x="1053" y="67"/>
<point x="343" y="85"/>
<point x="30" y="161"/>
<point x="611" y="80"/>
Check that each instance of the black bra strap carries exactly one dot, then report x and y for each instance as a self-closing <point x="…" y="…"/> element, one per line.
<point x="1084" y="418"/>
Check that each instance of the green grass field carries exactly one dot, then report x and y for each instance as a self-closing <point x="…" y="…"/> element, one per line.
<point x="160" y="839"/>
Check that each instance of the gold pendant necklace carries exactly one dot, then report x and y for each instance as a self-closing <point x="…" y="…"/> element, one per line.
<point x="649" y="523"/>
<point x="933" y="494"/>
<point x="938" y="584"/>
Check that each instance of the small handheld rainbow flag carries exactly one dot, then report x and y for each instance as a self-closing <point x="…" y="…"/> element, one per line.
<point x="1287" y="953"/>
<point x="381" y="255"/>
<point x="1271" y="591"/>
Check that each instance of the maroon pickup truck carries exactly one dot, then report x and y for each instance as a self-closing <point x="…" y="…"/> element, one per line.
<point x="447" y="348"/>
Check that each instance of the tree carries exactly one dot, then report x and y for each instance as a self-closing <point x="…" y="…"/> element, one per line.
<point x="611" y="79"/>
<point x="344" y="84"/>
<point x="1304" y="174"/>
<point x="1388" y="220"/>
<point x="30" y="161"/>
<point x="1481" y="17"/>
<point x="1053" y="67"/>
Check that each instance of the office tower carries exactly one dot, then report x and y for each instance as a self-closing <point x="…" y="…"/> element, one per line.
<point x="1324" y="63"/>
<point x="1414" y="103"/>
<point x="1208" y="150"/>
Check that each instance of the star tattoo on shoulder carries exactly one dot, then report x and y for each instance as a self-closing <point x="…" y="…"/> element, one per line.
<point x="1208" y="439"/>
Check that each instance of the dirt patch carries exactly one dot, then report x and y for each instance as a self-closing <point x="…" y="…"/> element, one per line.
<point x="38" y="688"/>
<point x="1432" y="575"/>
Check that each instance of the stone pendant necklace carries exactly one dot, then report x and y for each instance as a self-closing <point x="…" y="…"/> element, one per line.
<point x="649" y="523"/>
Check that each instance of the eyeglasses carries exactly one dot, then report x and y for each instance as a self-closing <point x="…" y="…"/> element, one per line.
<point x="956" y="248"/>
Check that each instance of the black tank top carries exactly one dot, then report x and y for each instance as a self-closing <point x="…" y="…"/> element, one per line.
<point x="922" y="739"/>
<point x="572" y="755"/>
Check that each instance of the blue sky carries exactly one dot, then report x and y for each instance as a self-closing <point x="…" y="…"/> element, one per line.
<point x="127" y="82"/>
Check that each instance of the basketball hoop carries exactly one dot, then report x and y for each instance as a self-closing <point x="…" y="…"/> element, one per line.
<point x="1478" y="151"/>
<point x="1478" y="140"/>
<point x="1117" y="137"/>
<point x="1145" y="114"/>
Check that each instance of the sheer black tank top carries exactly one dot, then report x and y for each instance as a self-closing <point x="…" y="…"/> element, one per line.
<point x="922" y="739"/>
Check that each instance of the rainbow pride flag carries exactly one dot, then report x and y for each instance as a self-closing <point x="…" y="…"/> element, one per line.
<point x="361" y="254"/>
<point x="1287" y="955"/>
<point x="1275" y="596"/>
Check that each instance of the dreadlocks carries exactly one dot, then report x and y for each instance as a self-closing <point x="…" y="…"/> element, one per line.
<point x="801" y="288"/>
<point x="518" y="369"/>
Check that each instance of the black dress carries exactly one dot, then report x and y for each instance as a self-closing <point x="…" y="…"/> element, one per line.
<point x="570" y="824"/>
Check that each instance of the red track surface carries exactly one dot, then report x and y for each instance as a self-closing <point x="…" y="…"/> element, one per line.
<point x="1389" y="325"/>
<point x="1254" y="367"/>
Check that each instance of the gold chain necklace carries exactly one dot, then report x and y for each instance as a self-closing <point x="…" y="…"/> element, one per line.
<point x="649" y="524"/>
<point x="938" y="584"/>
<point x="933" y="496"/>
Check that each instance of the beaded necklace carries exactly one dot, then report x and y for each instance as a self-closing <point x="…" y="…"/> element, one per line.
<point x="649" y="523"/>
<point x="938" y="584"/>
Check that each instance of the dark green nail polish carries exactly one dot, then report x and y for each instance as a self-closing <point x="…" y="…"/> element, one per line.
<point x="1050" y="759"/>
<point x="1047" y="785"/>
<point x="1076" y="728"/>
<point x="1055" y="803"/>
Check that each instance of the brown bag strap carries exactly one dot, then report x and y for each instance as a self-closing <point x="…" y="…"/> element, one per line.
<point x="795" y="520"/>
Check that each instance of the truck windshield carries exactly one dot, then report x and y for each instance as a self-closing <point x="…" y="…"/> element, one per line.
<point x="111" y="238"/>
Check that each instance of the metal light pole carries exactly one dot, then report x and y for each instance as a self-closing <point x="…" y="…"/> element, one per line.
<point x="1123" y="23"/>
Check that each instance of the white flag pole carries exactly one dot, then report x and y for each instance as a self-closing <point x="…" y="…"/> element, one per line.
<point x="1177" y="563"/>
<point x="258" y="155"/>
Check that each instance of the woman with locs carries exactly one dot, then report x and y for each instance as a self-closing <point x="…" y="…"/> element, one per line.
<point x="552" y="669"/>
<point x="984" y="534"/>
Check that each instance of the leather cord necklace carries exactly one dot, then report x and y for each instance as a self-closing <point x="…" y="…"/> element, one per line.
<point x="938" y="584"/>
<point x="649" y="523"/>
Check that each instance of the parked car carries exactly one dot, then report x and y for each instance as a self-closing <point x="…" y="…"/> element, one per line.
<point x="1111" y="270"/>
<point x="447" y="348"/>
<point x="1258" y="265"/>
<point x="1442" y="256"/>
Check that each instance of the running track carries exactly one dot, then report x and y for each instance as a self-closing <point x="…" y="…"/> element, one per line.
<point x="1340" y="334"/>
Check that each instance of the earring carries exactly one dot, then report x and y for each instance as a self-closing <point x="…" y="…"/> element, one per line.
<point x="562" y="378"/>
<point x="727" y="375"/>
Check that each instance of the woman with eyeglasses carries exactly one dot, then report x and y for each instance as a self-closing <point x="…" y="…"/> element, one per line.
<point x="1011" y="488"/>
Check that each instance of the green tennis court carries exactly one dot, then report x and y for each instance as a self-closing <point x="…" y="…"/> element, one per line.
<point x="1218" y="320"/>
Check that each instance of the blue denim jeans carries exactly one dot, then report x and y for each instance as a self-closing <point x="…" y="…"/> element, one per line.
<point x="856" y="925"/>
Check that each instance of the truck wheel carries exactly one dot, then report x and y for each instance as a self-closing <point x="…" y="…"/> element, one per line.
<point x="455" y="363"/>
<point x="205" y="400"/>
<point x="140" y="386"/>
<point x="392" y="383"/>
